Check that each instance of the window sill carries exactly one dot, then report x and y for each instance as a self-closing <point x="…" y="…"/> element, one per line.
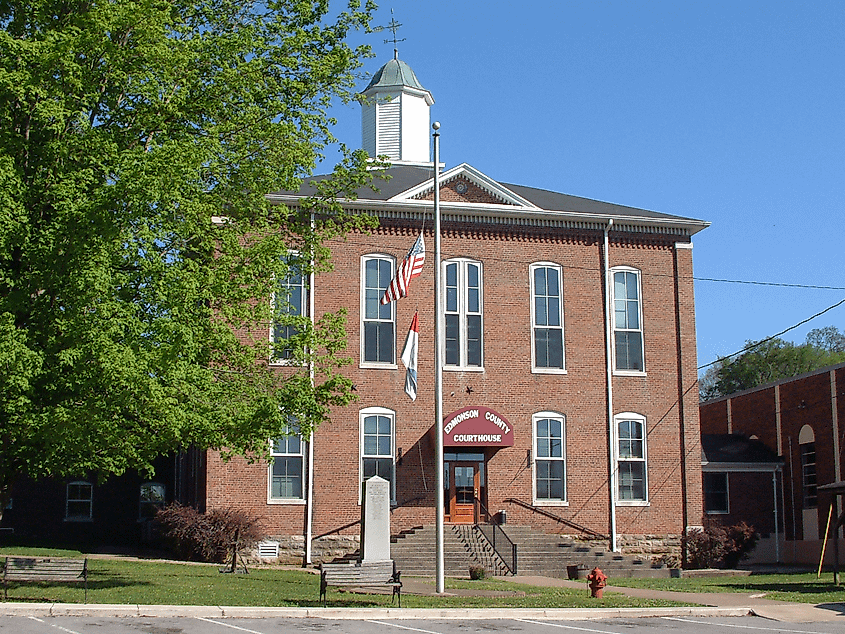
<point x="286" y="501"/>
<point x="285" y="364"/>
<point x="370" y="365"/>
<point x="536" y="370"/>
<point x="629" y="373"/>
<point x="458" y="368"/>
<point x="717" y="512"/>
<point x="633" y="503"/>
<point x="550" y="502"/>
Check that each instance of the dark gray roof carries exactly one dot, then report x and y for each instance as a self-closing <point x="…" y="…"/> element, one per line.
<point x="735" y="448"/>
<point x="404" y="177"/>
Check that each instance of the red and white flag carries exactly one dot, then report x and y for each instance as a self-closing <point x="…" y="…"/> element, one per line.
<point x="409" y="358"/>
<point x="410" y="268"/>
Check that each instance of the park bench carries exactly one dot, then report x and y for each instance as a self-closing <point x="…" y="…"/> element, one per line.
<point x="364" y="574"/>
<point x="49" y="569"/>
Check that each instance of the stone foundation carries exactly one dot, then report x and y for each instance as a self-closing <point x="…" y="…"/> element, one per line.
<point x="292" y="549"/>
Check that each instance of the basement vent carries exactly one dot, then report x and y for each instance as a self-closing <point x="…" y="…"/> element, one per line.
<point x="268" y="550"/>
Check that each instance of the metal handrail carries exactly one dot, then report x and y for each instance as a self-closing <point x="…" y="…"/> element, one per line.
<point x="557" y="518"/>
<point x="497" y="528"/>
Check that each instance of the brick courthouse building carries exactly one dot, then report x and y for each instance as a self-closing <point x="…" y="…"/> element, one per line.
<point x="569" y="386"/>
<point x="544" y="419"/>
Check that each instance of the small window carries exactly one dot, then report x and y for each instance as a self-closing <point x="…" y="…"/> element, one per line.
<point x="377" y="319"/>
<point x="547" y="315"/>
<point x="151" y="500"/>
<point x="286" y="469"/>
<point x="550" y="458"/>
<point x="716" y="493"/>
<point x="79" y="501"/>
<point x="627" y="320"/>
<point x="631" y="458"/>
<point x="377" y="455"/>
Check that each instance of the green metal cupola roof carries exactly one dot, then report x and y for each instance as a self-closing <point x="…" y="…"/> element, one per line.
<point x="395" y="73"/>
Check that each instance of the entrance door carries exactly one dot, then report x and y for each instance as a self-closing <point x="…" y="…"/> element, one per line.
<point x="464" y="491"/>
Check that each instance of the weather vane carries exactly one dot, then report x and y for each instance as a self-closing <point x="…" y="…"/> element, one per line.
<point x="392" y="26"/>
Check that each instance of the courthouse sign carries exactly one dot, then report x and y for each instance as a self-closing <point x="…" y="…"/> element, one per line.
<point x="476" y="427"/>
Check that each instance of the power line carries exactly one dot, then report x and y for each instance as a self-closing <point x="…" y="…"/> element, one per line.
<point x="767" y="339"/>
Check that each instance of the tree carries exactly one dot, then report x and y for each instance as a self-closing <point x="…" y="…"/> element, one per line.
<point x="131" y="324"/>
<point x="769" y="360"/>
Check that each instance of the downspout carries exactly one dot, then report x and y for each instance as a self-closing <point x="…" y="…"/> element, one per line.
<point x="611" y="427"/>
<point x="309" y="503"/>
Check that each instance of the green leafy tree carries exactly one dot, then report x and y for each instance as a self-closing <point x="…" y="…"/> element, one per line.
<point x="772" y="359"/>
<point x="137" y="250"/>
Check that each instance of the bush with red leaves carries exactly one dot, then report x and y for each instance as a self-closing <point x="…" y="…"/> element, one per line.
<point x="718" y="546"/>
<point x="207" y="536"/>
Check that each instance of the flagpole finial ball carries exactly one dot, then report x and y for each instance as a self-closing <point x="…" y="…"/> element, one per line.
<point x="436" y="125"/>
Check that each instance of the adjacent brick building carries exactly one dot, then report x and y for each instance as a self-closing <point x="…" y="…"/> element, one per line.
<point x="798" y="420"/>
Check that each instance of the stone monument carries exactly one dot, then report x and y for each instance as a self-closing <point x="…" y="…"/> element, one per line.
<point x="375" y="520"/>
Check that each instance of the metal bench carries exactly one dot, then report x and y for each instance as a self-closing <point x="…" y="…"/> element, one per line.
<point x="365" y="574"/>
<point x="50" y="569"/>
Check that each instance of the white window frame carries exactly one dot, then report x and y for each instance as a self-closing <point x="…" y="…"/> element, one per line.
<point x="727" y="508"/>
<point x="362" y="416"/>
<point x="89" y="500"/>
<point x="535" y="368"/>
<point x="535" y="419"/>
<point x="305" y="308"/>
<point x="463" y="312"/>
<point x="628" y="270"/>
<point x="643" y="459"/>
<point x="271" y="499"/>
<point x="383" y="308"/>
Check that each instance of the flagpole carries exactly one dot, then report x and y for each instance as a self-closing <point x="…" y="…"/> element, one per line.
<point x="439" y="503"/>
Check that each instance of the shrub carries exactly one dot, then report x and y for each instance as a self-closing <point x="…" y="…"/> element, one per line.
<point x="477" y="572"/>
<point x="206" y="536"/>
<point x="718" y="546"/>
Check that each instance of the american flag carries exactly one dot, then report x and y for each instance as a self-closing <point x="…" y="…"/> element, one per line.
<point x="410" y="268"/>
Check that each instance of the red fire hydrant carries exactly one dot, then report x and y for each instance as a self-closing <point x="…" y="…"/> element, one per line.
<point x="597" y="580"/>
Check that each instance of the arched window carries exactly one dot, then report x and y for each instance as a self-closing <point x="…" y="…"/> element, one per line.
<point x="378" y="332"/>
<point x="549" y="458"/>
<point x="631" y="458"/>
<point x="547" y="316"/>
<point x="807" y="445"/>
<point x="377" y="445"/>
<point x="627" y="320"/>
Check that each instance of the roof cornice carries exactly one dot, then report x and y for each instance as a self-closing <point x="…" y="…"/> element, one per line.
<point x="509" y="214"/>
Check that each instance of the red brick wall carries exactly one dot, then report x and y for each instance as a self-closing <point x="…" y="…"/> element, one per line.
<point x="508" y="386"/>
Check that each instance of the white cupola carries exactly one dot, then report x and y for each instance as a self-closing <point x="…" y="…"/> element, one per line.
<point x="395" y="115"/>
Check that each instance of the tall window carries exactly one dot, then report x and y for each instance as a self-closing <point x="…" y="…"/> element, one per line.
<point x="377" y="444"/>
<point x="286" y="469"/>
<point x="289" y="302"/>
<point x="378" y="326"/>
<point x="808" y="474"/>
<point x="550" y="458"/>
<point x="627" y="320"/>
<point x="547" y="312"/>
<point x="715" y="493"/>
<point x="78" y="501"/>
<point x="151" y="499"/>
<point x="463" y="314"/>
<point x="631" y="458"/>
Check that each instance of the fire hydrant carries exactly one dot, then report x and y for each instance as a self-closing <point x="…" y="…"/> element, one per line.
<point x="597" y="580"/>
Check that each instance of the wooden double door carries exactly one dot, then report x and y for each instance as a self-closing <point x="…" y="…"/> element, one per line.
<point x="464" y="487"/>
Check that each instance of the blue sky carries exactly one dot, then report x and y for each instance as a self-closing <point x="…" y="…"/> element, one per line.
<point x="730" y="112"/>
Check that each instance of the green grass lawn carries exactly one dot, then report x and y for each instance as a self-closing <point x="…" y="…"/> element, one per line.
<point x="795" y="587"/>
<point x="150" y="583"/>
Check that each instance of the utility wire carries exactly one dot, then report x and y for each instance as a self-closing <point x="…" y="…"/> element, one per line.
<point x="762" y="341"/>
